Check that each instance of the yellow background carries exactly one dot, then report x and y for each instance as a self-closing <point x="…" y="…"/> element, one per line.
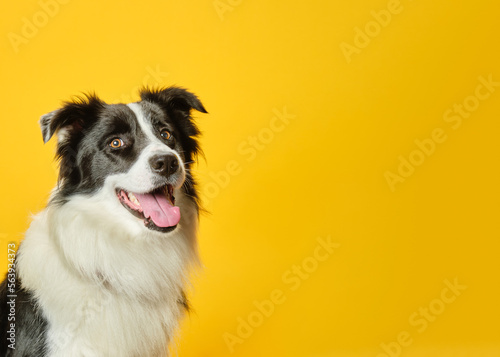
<point x="322" y="175"/>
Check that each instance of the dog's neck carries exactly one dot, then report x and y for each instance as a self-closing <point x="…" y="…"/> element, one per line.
<point x="130" y="277"/>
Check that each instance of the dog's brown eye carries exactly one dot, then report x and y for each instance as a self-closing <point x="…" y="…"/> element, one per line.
<point x="165" y="134"/>
<point x="116" y="143"/>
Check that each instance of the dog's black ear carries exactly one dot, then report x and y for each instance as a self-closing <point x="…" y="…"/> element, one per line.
<point x="71" y="118"/>
<point x="173" y="98"/>
<point x="44" y="122"/>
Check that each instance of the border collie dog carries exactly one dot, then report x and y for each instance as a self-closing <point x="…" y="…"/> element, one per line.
<point x="102" y="269"/>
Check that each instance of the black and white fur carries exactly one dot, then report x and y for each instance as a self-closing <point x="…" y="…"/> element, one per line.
<point x="92" y="278"/>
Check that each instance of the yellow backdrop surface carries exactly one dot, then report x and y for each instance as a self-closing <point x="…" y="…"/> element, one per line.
<point x="352" y="160"/>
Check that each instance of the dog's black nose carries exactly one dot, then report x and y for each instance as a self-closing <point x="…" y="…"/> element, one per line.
<point x="164" y="165"/>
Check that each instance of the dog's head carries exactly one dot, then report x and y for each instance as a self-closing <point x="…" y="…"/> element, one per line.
<point x="141" y="152"/>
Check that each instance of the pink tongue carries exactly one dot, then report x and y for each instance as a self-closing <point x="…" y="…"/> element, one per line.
<point x="157" y="207"/>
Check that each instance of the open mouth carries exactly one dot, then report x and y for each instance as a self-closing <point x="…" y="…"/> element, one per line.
<point x="156" y="208"/>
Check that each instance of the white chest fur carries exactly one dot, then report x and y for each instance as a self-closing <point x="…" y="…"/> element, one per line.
<point x="106" y="285"/>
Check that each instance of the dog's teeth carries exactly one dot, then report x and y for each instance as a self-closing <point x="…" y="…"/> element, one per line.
<point x="133" y="199"/>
